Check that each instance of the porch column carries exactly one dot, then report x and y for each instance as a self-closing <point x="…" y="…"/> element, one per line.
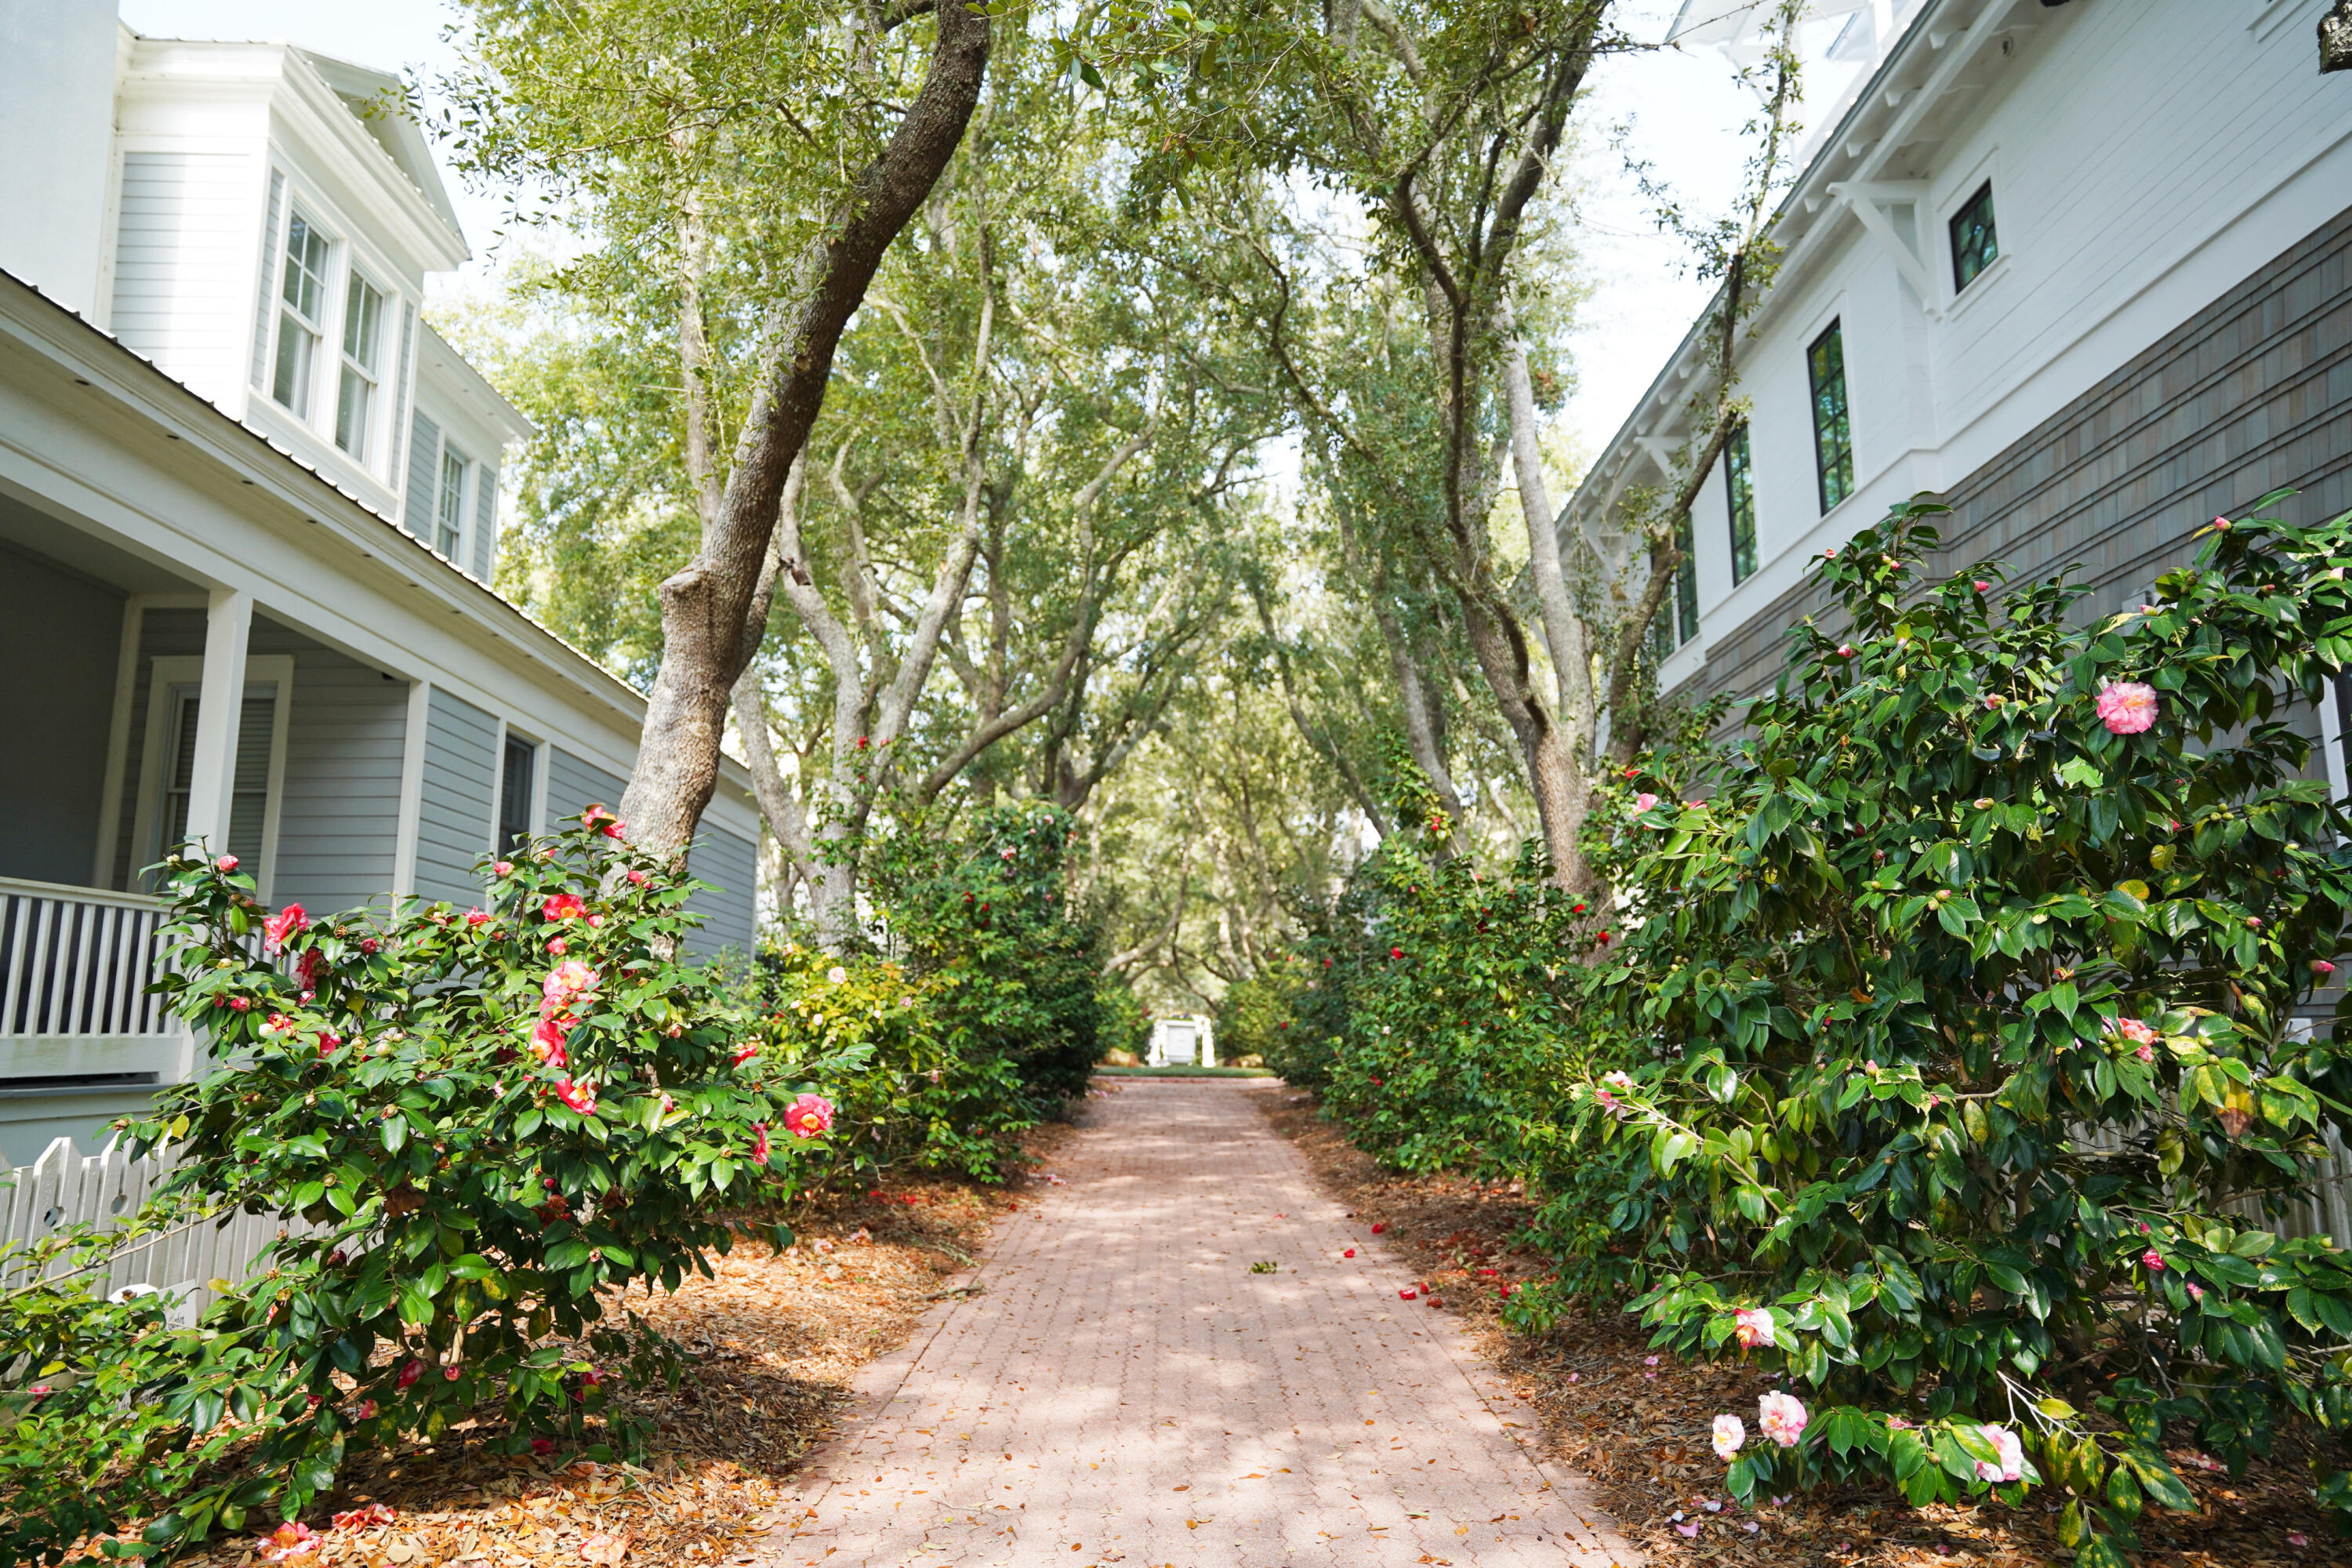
<point x="220" y="702"/>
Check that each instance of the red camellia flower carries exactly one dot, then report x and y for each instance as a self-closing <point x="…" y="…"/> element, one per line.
<point x="227" y="863"/>
<point x="636" y="877"/>
<point x="2320" y="966"/>
<point x="1396" y="953"/>
<point x="1349" y="1253"/>
<point x="281" y="925"/>
<point x="580" y="1097"/>
<point x="504" y="868"/>
<point x="477" y="917"/>
<point x="328" y="1041"/>
<point x="411" y="1373"/>
<point x="558" y="947"/>
<point x="240" y="1003"/>
<point x="370" y="946"/>
<point x="2151" y="1262"/>
<point x="760" y="1142"/>
<point x="449" y="1374"/>
<point x="809" y="1116"/>
<point x="1379" y="1227"/>
<point x="1603" y="938"/>
<point x="541" y="1446"/>
<point x="1407" y="1294"/>
<point x="548" y="1040"/>
<point x="563" y="906"/>
<point x="745" y="1053"/>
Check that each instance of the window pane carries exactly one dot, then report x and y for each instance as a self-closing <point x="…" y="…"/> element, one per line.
<point x="451" y="513"/>
<point x="1974" y="247"/>
<point x="1739" y="482"/>
<point x="305" y="286"/>
<point x="362" y="316"/>
<point x="514" y="792"/>
<point x="1833" y="432"/>
<point x="296" y="347"/>
<point x="1686" y="584"/>
<point x="351" y="408"/>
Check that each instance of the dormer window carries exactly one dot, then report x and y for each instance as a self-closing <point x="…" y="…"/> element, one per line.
<point x="303" y="303"/>
<point x="362" y="356"/>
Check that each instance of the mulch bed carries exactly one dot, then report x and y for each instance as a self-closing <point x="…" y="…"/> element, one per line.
<point x="775" y="1342"/>
<point x="1639" y="1423"/>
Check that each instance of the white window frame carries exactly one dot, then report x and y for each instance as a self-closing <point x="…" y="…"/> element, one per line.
<point x="469" y="476"/>
<point x="175" y="670"/>
<point x="540" y="757"/>
<point x="325" y="344"/>
<point x="370" y="445"/>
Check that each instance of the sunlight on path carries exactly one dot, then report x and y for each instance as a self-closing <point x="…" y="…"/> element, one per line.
<point x="1125" y="1390"/>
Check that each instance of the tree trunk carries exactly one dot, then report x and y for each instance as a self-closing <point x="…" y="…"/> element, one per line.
<point x="706" y="641"/>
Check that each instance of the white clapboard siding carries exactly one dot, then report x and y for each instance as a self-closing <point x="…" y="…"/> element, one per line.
<point x="64" y="1188"/>
<point x="183" y="261"/>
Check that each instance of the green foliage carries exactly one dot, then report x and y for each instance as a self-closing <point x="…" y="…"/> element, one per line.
<point x="1444" y="1000"/>
<point x="472" y="1124"/>
<point x="1126" y="1023"/>
<point x="1968" y="1034"/>
<point x="1009" y="974"/>
<point x="1259" y="1010"/>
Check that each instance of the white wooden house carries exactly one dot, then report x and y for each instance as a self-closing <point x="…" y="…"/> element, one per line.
<point x="2082" y="268"/>
<point x="249" y="512"/>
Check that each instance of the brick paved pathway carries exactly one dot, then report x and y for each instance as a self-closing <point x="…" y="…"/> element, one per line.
<point x="1124" y="1390"/>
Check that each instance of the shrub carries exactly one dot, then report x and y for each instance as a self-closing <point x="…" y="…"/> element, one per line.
<point x="1971" y="1087"/>
<point x="1259" y="1010"/>
<point x="1446" y="1008"/>
<point x="473" y="1123"/>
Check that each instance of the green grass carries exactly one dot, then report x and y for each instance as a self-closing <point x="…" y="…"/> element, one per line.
<point x="1184" y="1072"/>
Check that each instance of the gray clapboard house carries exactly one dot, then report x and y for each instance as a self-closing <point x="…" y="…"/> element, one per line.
<point x="249" y="522"/>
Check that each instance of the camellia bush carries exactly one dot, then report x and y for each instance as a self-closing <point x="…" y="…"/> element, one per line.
<point x="480" y="1126"/>
<point x="1968" y="1074"/>
<point x="1441" y="1022"/>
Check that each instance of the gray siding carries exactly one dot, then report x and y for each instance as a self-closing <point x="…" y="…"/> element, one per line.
<point x="424" y="478"/>
<point x="2250" y="395"/>
<point x="573" y="785"/>
<point x="59" y="637"/>
<point x="486" y="521"/>
<point x="338" y="817"/>
<point x="453" y="812"/>
<point x="731" y="865"/>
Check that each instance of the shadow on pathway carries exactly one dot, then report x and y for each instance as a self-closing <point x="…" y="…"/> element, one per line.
<point x="1122" y="1389"/>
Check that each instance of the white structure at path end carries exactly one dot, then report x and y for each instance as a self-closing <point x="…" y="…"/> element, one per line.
<point x="1182" y="1042"/>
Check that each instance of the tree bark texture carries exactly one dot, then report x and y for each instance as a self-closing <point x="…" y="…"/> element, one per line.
<point x="707" y="639"/>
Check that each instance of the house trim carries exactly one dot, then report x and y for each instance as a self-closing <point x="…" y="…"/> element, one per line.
<point x="167" y="673"/>
<point x="411" y="788"/>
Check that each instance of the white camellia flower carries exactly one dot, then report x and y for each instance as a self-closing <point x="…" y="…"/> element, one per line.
<point x="1730" y="1435"/>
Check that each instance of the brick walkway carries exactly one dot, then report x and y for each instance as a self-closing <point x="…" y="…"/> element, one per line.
<point x="1123" y="1389"/>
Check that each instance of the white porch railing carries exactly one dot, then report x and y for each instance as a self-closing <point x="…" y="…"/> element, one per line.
<point x="63" y="1188"/>
<point x="75" y="965"/>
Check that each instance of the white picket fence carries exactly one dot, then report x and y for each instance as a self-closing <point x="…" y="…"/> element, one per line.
<point x="64" y="1188"/>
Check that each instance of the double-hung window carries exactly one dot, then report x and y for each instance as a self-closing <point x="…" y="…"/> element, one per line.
<point x="1833" y="428"/>
<point x="449" y="505"/>
<point x="1686" y="584"/>
<point x="363" y="360"/>
<point x="1739" y="483"/>
<point x="301" y="310"/>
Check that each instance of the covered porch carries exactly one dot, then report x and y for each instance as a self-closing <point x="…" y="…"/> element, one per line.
<point x="147" y="709"/>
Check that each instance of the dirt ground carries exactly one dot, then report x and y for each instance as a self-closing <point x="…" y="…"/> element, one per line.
<point x="1639" y="1424"/>
<point x="774" y="1340"/>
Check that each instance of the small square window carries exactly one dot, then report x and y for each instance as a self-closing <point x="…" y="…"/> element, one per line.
<point x="1974" y="244"/>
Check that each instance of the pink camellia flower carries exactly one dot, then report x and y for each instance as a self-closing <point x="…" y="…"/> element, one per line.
<point x="1756" y="1327"/>
<point x="1829" y="554"/>
<point x="1782" y="1418"/>
<point x="1730" y="1435"/>
<point x="580" y="1097"/>
<point x="2135" y="1031"/>
<point x="1845" y="650"/>
<point x="2012" y="1466"/>
<point x="2127" y="707"/>
<point x="370" y="946"/>
<point x="449" y="1374"/>
<point x="1643" y="802"/>
<point x="2150" y="1261"/>
<point x="636" y="877"/>
<point x="367" y="1410"/>
<point x="567" y="980"/>
<point x="2146" y="1053"/>
<point x="281" y="925"/>
<point x="328" y="1041"/>
<point x="759" y="1143"/>
<point x="558" y="947"/>
<point x="2322" y="968"/>
<point x="478" y="918"/>
<point x="504" y="868"/>
<point x="2196" y="1291"/>
<point x="563" y="906"/>
<point x="614" y="828"/>
<point x="410" y="1373"/>
<point x="596" y="922"/>
<point x="40" y="1391"/>
<point x="1982" y="586"/>
<point x="548" y="1040"/>
<point x="286" y="1543"/>
<point x="837" y="975"/>
<point x="809" y="1116"/>
<point x="242" y="1004"/>
<point x="226" y="863"/>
